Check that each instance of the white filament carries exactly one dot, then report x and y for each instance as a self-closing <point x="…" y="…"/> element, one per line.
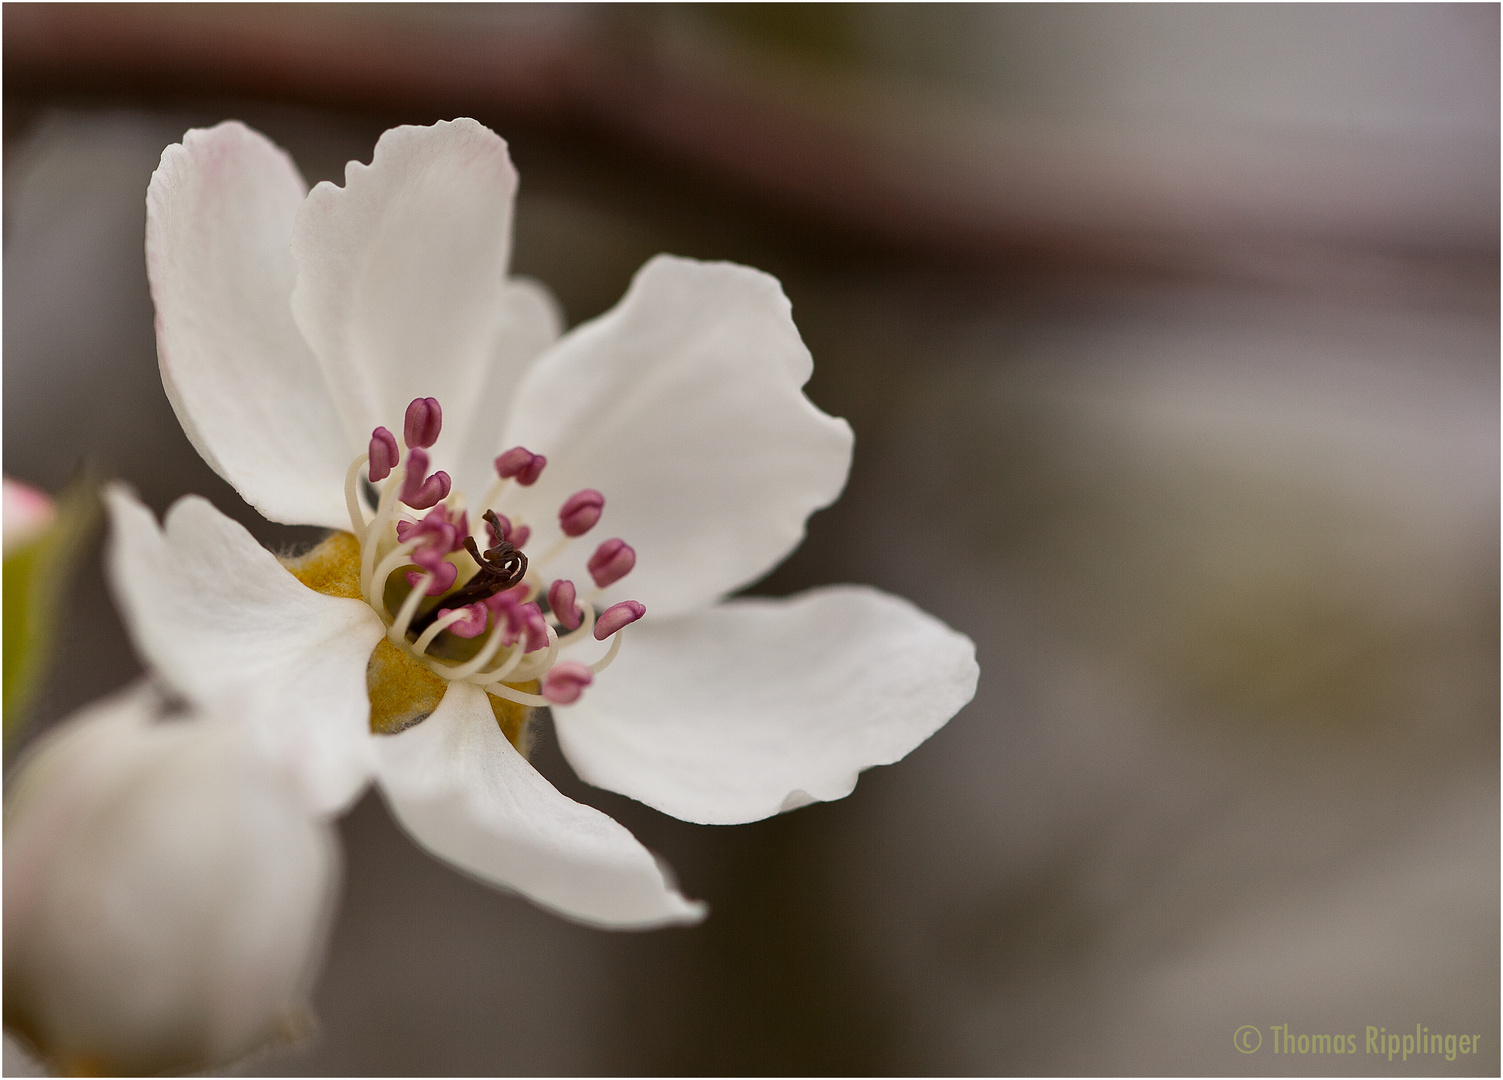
<point x="395" y="558"/>
<point x="485" y="656"/>
<point x="398" y="630"/>
<point x="605" y="661"/>
<point x="541" y="662"/>
<point x="385" y="512"/>
<point x="352" y="501"/>
<point x="502" y="691"/>
<point x="440" y="624"/>
<point x="484" y="677"/>
<point x="584" y="629"/>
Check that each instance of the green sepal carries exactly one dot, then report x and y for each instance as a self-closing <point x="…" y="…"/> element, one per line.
<point x="35" y="584"/>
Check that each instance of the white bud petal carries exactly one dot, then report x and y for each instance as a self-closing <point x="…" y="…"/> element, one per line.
<point x="167" y="894"/>
<point x="25" y="514"/>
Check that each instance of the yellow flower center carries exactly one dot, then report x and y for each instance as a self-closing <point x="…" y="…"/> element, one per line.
<point x="402" y="690"/>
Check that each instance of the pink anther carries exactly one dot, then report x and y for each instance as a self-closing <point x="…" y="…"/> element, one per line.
<point x="535" y="627"/>
<point x="443" y="578"/>
<point x="616" y="617"/>
<point x="523" y="620"/>
<point x="580" y="512"/>
<point x="565" y="681"/>
<point x="435" y="531"/>
<point x="473" y="624"/>
<point x="419" y="490"/>
<point x="611" y="562"/>
<point x="383" y="454"/>
<point x="521" y="463"/>
<point x="423" y="422"/>
<point x="561" y="599"/>
<point x="503" y="609"/>
<point x="431" y="558"/>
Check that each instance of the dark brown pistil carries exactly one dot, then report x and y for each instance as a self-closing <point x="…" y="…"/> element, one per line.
<point x="500" y="568"/>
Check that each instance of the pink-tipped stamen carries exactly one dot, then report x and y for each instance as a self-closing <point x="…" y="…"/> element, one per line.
<point x="521" y="643"/>
<point x="580" y="512"/>
<point x="397" y="631"/>
<point x="419" y="490"/>
<point x="442" y="576"/>
<point x="520" y="464"/>
<point x="567" y="680"/>
<point x="431" y="559"/>
<point x="438" y="626"/>
<point x="524" y="620"/>
<point x="534" y="628"/>
<point x="383" y="455"/>
<point x="612" y="561"/>
<point x="617" y="616"/>
<point x="476" y="667"/>
<point x="386" y="512"/>
<point x="561" y="598"/>
<point x="422" y="423"/>
<point x="435" y="531"/>
<point x="479" y="676"/>
<point x="473" y="625"/>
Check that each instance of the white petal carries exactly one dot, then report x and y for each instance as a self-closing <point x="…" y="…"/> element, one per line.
<point x="400" y="274"/>
<point x="166" y="893"/>
<point x="245" y="387"/>
<point x="683" y="406"/>
<point x="758" y="705"/>
<point x="463" y="792"/>
<point x="531" y="321"/>
<point x="227" y="626"/>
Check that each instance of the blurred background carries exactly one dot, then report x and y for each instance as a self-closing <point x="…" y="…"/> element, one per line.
<point x="1170" y="338"/>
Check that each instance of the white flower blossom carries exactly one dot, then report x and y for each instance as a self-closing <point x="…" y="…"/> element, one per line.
<point x="299" y="332"/>
<point x="167" y="893"/>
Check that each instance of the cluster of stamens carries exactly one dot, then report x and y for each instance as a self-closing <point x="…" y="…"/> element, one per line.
<point x="503" y="596"/>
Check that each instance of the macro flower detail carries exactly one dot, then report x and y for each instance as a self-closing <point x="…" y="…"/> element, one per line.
<point x="508" y="506"/>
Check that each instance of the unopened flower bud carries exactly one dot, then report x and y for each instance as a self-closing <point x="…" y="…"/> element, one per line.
<point x="27" y="514"/>
<point x="580" y="512"/>
<point x="423" y="422"/>
<point x="617" y="616"/>
<point x="167" y="893"/>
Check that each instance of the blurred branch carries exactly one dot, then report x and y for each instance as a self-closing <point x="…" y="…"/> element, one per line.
<point x="780" y="110"/>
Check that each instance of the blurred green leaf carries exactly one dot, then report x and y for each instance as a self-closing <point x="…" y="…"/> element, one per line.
<point x="36" y="580"/>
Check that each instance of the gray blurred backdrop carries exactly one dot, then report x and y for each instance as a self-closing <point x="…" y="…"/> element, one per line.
<point x="1170" y="339"/>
